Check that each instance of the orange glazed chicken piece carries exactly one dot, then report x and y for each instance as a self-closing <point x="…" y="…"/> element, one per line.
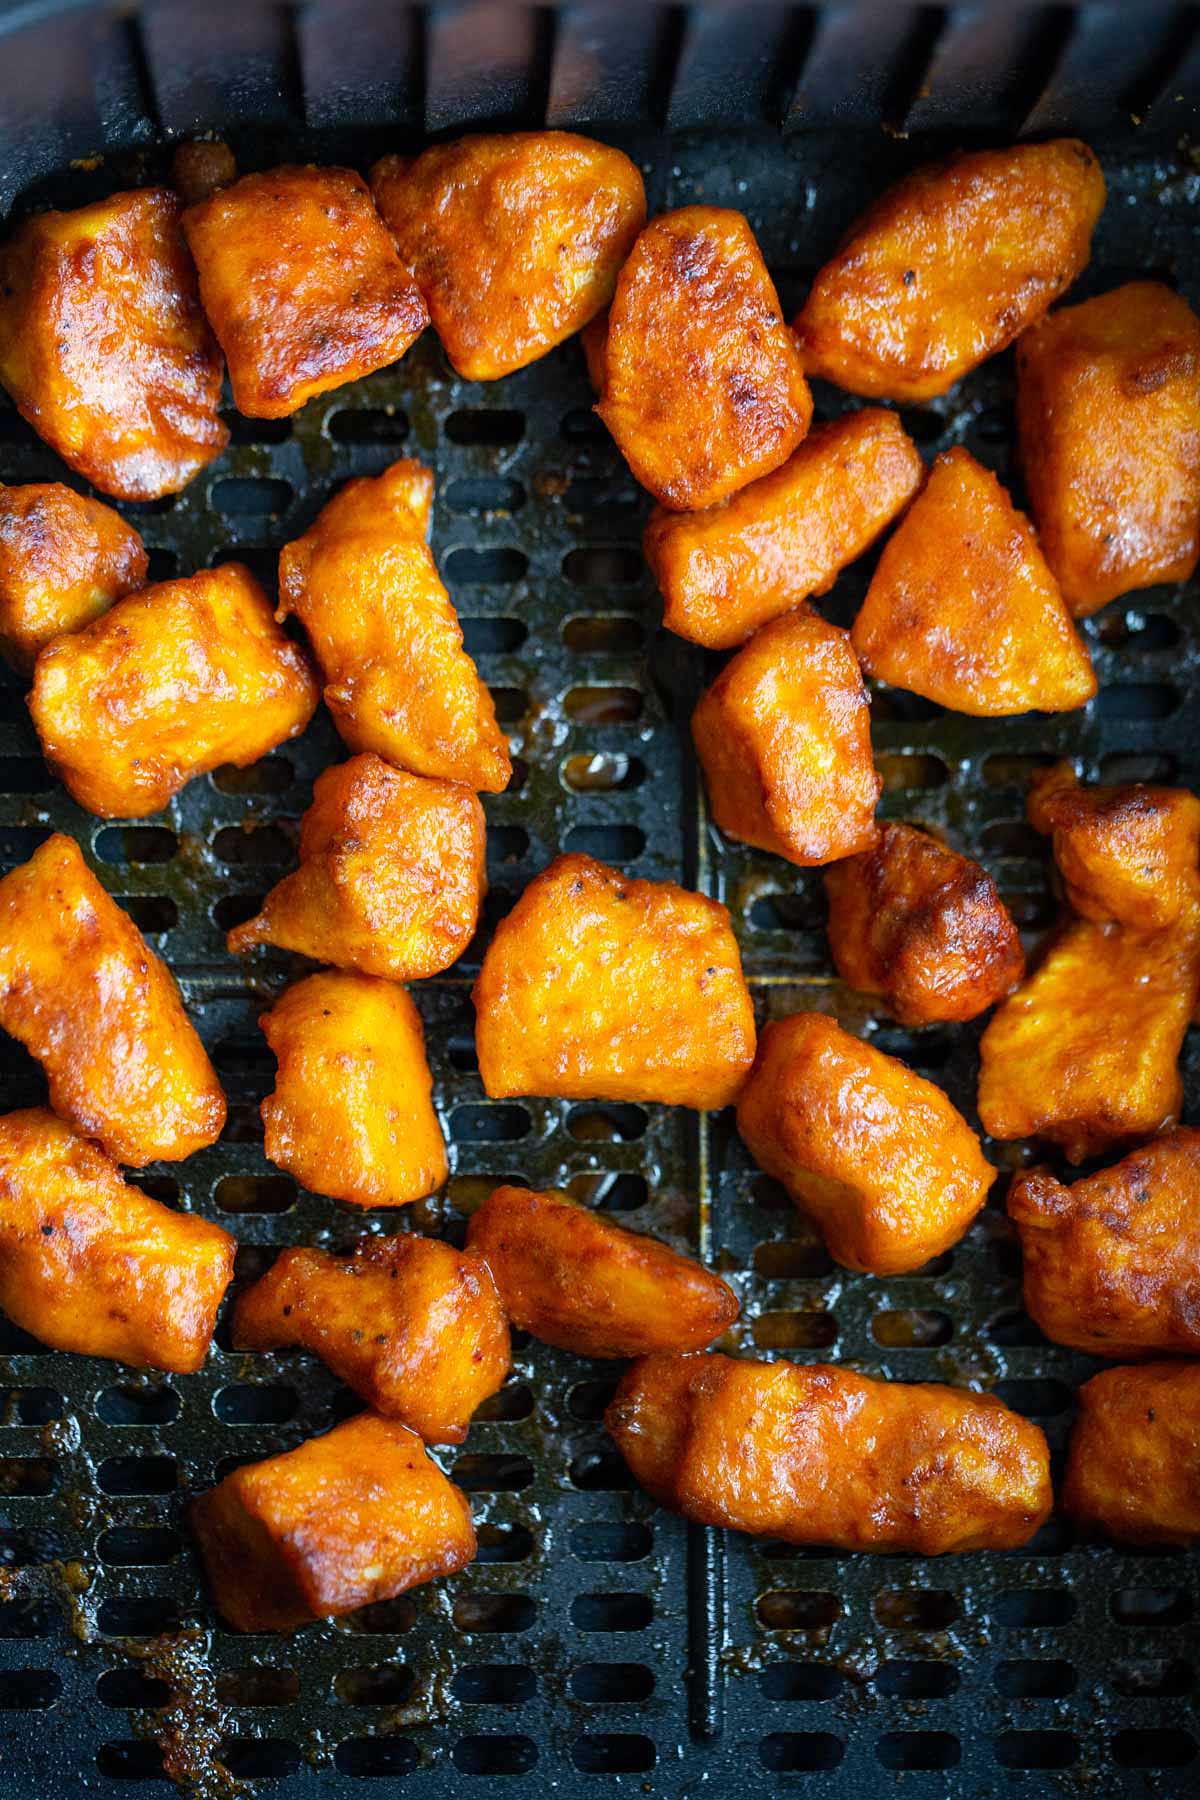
<point x="1108" y="416"/>
<point x="302" y="284"/>
<point x="358" y="1515"/>
<point x="391" y="875"/>
<point x="784" y="739"/>
<point x="1133" y="1471"/>
<point x="363" y="584"/>
<point x="1125" y="853"/>
<point x="726" y="571"/>
<point x="89" y="1263"/>
<point x="923" y="926"/>
<point x="515" y="239"/>
<point x="819" y="1455"/>
<point x="82" y="990"/>
<point x="170" y="683"/>
<point x="351" y="1115"/>
<point x="579" y="1281"/>
<point x="703" y="389"/>
<point x="949" y="266"/>
<point x="888" y="1171"/>
<point x="597" y="987"/>
<point x="410" y="1324"/>
<point x="64" y="559"/>
<point x="104" y="348"/>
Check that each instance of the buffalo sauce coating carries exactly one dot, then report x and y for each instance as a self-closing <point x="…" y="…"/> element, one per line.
<point x="784" y="739"/>
<point x="703" y="389"/>
<point x="1108" y="420"/>
<point x="302" y="285"/>
<point x="170" y="683"/>
<point x="515" y="239"/>
<point x="764" y="551"/>
<point x="104" y="348"/>
<point x="83" y="991"/>
<point x="819" y="1455"/>
<point x="64" y="559"/>
<point x="963" y="609"/>
<point x="581" y="1282"/>
<point x="391" y="875"/>
<point x="1125" y="853"/>
<point x="598" y="987"/>
<point x="1133" y="1468"/>
<point x="913" y="920"/>
<point x="363" y="584"/>
<point x="409" y="1323"/>
<point x="91" y="1264"/>
<point x="351" y="1115"/>
<point x="358" y="1515"/>
<point x="888" y="1170"/>
<point x="949" y="266"/>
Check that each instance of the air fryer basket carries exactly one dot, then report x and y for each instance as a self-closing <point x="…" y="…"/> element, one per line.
<point x="598" y="1645"/>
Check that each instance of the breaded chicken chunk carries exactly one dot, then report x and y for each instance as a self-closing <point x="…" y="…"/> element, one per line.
<point x="104" y="348"/>
<point x="963" y="609"/>
<point x="597" y="987"/>
<point x="171" y="682"/>
<point x="703" y="389"/>
<point x="820" y="1455"/>
<point x="397" y="679"/>
<point x="1108" y="416"/>
<point x="391" y="875"/>
<point x="82" y="990"/>
<point x="409" y="1323"/>
<point x="916" y="922"/>
<point x="1125" y="853"/>
<point x="731" y="568"/>
<point x="577" y="1280"/>
<point x="515" y="239"/>
<point x="64" y="559"/>
<point x="358" y="1515"/>
<point x="949" y="266"/>
<point x="784" y="739"/>
<point x="302" y="285"/>
<point x="1133" y="1471"/>
<point x="89" y="1263"/>
<point x="888" y="1171"/>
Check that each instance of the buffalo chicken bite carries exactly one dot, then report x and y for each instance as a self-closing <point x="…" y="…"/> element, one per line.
<point x="703" y="389"/>
<point x="64" y="559"/>
<point x="784" y="739"/>
<point x="819" y="1455"/>
<point x="515" y="239"/>
<point x="1133" y="1469"/>
<point x="1124" y="853"/>
<point x="889" y="1172"/>
<point x="302" y="285"/>
<point x="83" y="991"/>
<point x="599" y="987"/>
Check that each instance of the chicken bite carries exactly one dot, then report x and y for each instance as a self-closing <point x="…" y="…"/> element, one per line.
<point x="64" y="559"/>
<point x="597" y="987"/>
<point x="358" y="1515"/>
<point x="727" y="570"/>
<point x="391" y="875"/>
<point x="1125" y="853"/>
<point x="585" y="1284"/>
<point x="820" y="1455"/>
<point x="82" y="990"/>
<point x="91" y="1264"/>
<point x="1133" y="1469"/>
<point x="104" y="348"/>
<point x="515" y="239"/>
<point x="302" y="285"/>
<point x="916" y="922"/>
<point x="1108" y="417"/>
<point x="397" y="679"/>
<point x="888" y="1171"/>
<point x="949" y="266"/>
<point x="784" y="739"/>
<point x="703" y="389"/>
<point x="963" y="609"/>
<point x="409" y="1323"/>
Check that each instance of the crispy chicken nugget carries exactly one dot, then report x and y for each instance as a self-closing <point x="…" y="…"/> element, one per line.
<point x="515" y="239"/>
<point x="1133" y="1470"/>
<point x="64" y="559"/>
<point x="963" y="609"/>
<point x="703" y="389"/>
<point x="598" y="987"/>
<point x="1124" y="853"/>
<point x="949" y="266"/>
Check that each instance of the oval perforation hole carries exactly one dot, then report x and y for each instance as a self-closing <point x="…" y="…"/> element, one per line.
<point x="1037" y="1399"/>
<point x="1136" y="701"/>
<point x="802" y="911"/>
<point x="795" y="1330"/>
<point x="255" y="1194"/>
<point x="271" y="775"/>
<point x="258" y="1684"/>
<point x="497" y="565"/>
<point x="495" y="1124"/>
<point x="620" y="844"/>
<point x="612" y="1612"/>
<point x="138" y="844"/>
<point x="137" y="1405"/>
<point x="1148" y="1606"/>
<point x="138" y="1475"/>
<point x="260" y="1759"/>
<point x="367" y="425"/>
<point x="909" y="1678"/>
<point x="511" y="1403"/>
<point x="132" y="1688"/>
<point x="797" y="1609"/>
<point x="476" y="1613"/>
<point x="603" y="565"/>
<point x="1122" y="766"/>
<point x="500" y="1474"/>
<point x="601" y="1472"/>
<point x="250" y="1404"/>
<point x="151" y="913"/>
<point x="139" y="1546"/>
<point x="915" y="1609"/>
<point x="374" y="1684"/>
<point x="603" y="634"/>
<point x="27" y="1476"/>
<point x="137" y="1615"/>
<point x="1152" y="1677"/>
<point x="491" y="427"/>
<point x="494" y="1684"/>
<point x="30" y="1406"/>
<point x="383" y="1618"/>
<point x="912" y="1329"/>
<point x="614" y="1122"/>
<point x="587" y="1400"/>
<point x="609" y="1190"/>
<point x="256" y="497"/>
<point x="602" y="772"/>
<point x="603" y="705"/>
<point x="905" y="772"/>
<point x="504" y="1543"/>
<point x="484" y="494"/>
<point x="796" y="1259"/>
<point x="493" y="637"/>
<point x="255" y="847"/>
